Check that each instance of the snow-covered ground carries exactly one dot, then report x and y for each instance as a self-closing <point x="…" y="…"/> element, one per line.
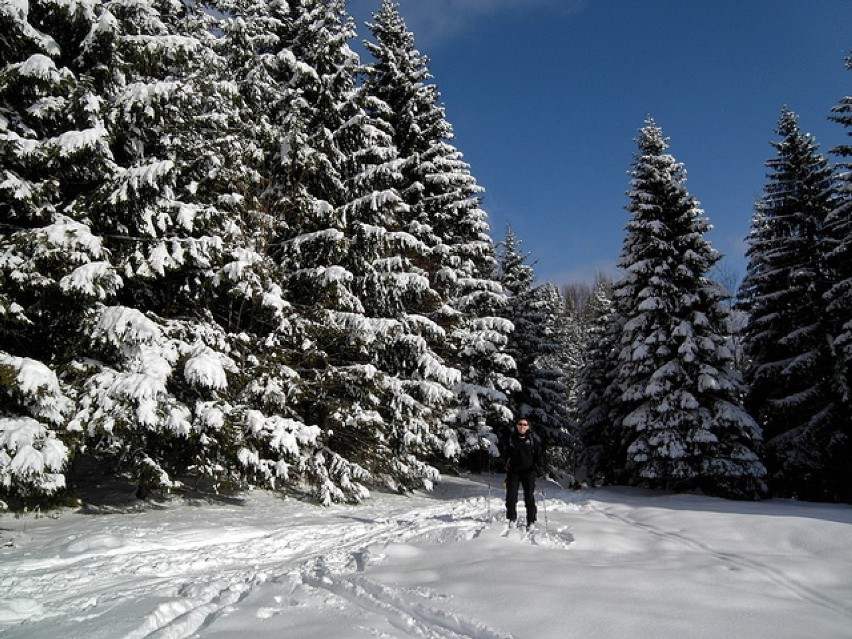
<point x="613" y="563"/>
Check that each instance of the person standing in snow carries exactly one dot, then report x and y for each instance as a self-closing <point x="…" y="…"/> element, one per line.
<point x="522" y="467"/>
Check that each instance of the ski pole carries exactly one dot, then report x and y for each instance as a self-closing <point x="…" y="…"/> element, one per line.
<point x="488" y="482"/>
<point x="488" y="501"/>
<point x="544" y="507"/>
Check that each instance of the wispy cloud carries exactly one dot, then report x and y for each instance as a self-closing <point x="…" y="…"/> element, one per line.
<point x="436" y="21"/>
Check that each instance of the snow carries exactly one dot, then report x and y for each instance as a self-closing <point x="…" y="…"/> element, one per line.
<point x="30" y="453"/>
<point x="605" y="563"/>
<point x="326" y="236"/>
<point x="37" y="385"/>
<point x="282" y="433"/>
<point x="72" y="142"/>
<point x="118" y="325"/>
<point x="135" y="179"/>
<point x="206" y="368"/>
<point x="74" y="237"/>
<point x="19" y="7"/>
<point x="39" y="67"/>
<point x="106" y="23"/>
<point x="32" y="376"/>
<point x="96" y="279"/>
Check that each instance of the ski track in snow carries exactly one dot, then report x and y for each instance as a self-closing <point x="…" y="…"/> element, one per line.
<point x="89" y="577"/>
<point x="737" y="562"/>
<point x="402" y="613"/>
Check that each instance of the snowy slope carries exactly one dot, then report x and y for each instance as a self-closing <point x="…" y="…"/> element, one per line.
<point x="614" y="563"/>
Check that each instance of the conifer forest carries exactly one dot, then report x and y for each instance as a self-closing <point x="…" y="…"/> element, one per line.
<point x="234" y="253"/>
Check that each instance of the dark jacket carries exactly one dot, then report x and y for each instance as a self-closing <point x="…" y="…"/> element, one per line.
<point x="524" y="454"/>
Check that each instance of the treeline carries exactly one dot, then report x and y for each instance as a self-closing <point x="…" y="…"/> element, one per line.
<point x="231" y="251"/>
<point x="681" y="391"/>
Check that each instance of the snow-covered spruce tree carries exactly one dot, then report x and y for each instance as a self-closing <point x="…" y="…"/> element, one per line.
<point x="398" y="336"/>
<point x="399" y="93"/>
<point x="53" y="146"/>
<point x="394" y="334"/>
<point x="154" y="361"/>
<point x="445" y="214"/>
<point x="837" y="462"/>
<point x="565" y="355"/>
<point x="261" y="437"/>
<point x="301" y="430"/>
<point x="591" y="401"/>
<point x="789" y="359"/>
<point x="371" y="381"/>
<point x="676" y="396"/>
<point x="580" y="306"/>
<point x="346" y="368"/>
<point x="542" y="395"/>
<point x="569" y="329"/>
<point x="274" y="446"/>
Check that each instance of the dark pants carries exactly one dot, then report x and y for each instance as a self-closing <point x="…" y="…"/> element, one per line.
<point x="525" y="478"/>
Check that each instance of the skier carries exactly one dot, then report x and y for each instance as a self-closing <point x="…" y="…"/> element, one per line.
<point x="524" y="463"/>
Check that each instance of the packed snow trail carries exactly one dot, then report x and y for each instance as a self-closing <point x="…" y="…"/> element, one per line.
<point x="433" y="566"/>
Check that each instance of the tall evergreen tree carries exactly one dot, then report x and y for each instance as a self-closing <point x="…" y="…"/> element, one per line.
<point x="132" y="237"/>
<point x="542" y="396"/>
<point x="393" y="280"/>
<point x="789" y="368"/>
<point x="675" y="396"/>
<point x="582" y="306"/>
<point x="321" y="124"/>
<point x="159" y="361"/>
<point x="354" y="272"/>
<point x="838" y="254"/>
<point x="270" y="56"/>
<point x="444" y="213"/>
<point x="53" y="146"/>
<point x="592" y="403"/>
<point x="564" y="333"/>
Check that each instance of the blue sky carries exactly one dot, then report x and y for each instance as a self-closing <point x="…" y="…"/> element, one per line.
<point x="546" y="98"/>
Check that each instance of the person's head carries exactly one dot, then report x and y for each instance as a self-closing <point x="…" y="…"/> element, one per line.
<point x="522" y="426"/>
